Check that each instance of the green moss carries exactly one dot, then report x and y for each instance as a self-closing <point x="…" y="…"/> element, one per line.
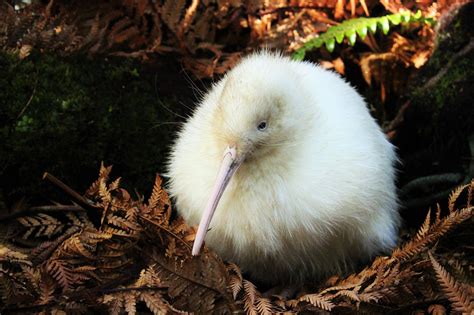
<point x="65" y="116"/>
<point x="446" y="88"/>
<point x="436" y="128"/>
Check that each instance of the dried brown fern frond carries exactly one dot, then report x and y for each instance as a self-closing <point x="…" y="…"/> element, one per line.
<point x="139" y="258"/>
<point x="136" y="258"/>
<point x="436" y="230"/>
<point x="147" y="288"/>
<point x="235" y="279"/>
<point x="61" y="272"/>
<point x="41" y="225"/>
<point x="250" y="295"/>
<point x="159" y="205"/>
<point x="459" y="267"/>
<point x="453" y="197"/>
<point x="7" y="254"/>
<point x="461" y="295"/>
<point x="318" y="301"/>
<point x="389" y="68"/>
<point x="104" y="173"/>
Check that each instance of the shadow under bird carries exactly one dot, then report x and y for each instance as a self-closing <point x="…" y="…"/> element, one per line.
<point x="286" y="172"/>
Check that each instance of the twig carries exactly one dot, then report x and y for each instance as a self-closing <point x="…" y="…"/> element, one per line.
<point x="88" y="205"/>
<point x="399" y="118"/>
<point x="144" y="288"/>
<point x="28" y="102"/>
<point x="188" y="17"/>
<point x="57" y="208"/>
<point x="84" y="202"/>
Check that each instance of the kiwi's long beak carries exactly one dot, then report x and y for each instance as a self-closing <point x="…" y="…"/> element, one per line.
<point x="229" y="165"/>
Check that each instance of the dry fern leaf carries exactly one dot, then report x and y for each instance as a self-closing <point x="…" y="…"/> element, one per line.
<point x="159" y="205"/>
<point x="253" y="301"/>
<point x="453" y="197"/>
<point x="155" y="303"/>
<point x="114" y="301"/>
<point x="462" y="296"/>
<point x="351" y="294"/>
<point x="250" y="295"/>
<point x="171" y="12"/>
<point x="61" y="272"/>
<point x="264" y="306"/>
<point x="438" y="229"/>
<point x="197" y="284"/>
<point x="425" y="227"/>
<point x="85" y="258"/>
<point x="235" y="279"/>
<point x="104" y="173"/>
<point x="318" y="301"/>
<point x="130" y="302"/>
<point x="137" y="256"/>
<point x="115" y="184"/>
<point x="7" y="254"/>
<point x="41" y="225"/>
<point x="459" y="270"/>
<point x="44" y="250"/>
<point x="47" y="288"/>
<point x="123" y="224"/>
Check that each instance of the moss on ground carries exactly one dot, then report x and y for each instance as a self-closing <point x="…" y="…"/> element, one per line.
<point x="434" y="138"/>
<point x="66" y="115"/>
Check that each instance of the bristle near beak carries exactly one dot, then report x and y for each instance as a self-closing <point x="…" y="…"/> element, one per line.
<point x="229" y="166"/>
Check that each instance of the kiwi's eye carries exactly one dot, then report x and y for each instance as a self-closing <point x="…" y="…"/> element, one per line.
<point x="262" y="125"/>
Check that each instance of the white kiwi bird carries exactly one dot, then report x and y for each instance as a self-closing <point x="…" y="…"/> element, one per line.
<point x="286" y="172"/>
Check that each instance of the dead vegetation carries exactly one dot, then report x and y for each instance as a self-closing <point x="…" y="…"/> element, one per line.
<point x="138" y="257"/>
<point x="210" y="36"/>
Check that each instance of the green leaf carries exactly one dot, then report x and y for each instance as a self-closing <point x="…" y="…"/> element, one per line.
<point x="372" y="25"/>
<point x="385" y="24"/>
<point x="339" y="37"/>
<point x="429" y="21"/>
<point x="318" y="42"/>
<point x="360" y="26"/>
<point x="417" y="15"/>
<point x="395" y="19"/>
<point x="299" y="55"/>
<point x="405" y="16"/>
<point x="362" y="31"/>
<point x="330" y="44"/>
<point x="351" y="35"/>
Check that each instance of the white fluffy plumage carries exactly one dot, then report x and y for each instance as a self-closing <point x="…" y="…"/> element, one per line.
<point x="314" y="193"/>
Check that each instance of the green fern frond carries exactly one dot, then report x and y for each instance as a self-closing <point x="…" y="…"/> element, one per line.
<point x="360" y="26"/>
